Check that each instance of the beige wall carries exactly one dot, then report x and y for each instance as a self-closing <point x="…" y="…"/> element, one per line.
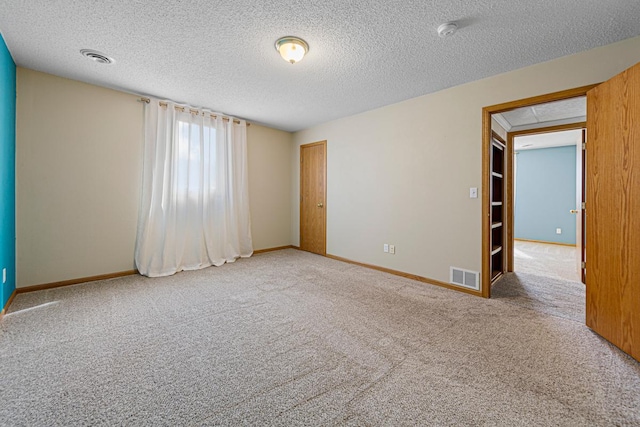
<point x="78" y="173"/>
<point x="269" y="186"/>
<point x="401" y="174"/>
<point x="78" y="162"/>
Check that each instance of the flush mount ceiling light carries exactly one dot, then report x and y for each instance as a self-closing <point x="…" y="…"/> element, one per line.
<point x="96" y="56"/>
<point x="292" y="49"/>
<point x="447" y="29"/>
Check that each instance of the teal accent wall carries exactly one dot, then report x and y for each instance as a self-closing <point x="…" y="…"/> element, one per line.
<point x="545" y="193"/>
<point x="7" y="172"/>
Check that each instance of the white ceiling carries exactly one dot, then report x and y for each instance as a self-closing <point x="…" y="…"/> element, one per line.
<point x="363" y="54"/>
<point x="573" y="110"/>
<point x="547" y="140"/>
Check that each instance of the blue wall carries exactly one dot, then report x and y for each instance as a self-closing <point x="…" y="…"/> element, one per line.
<point x="7" y="172"/>
<point x="545" y="193"/>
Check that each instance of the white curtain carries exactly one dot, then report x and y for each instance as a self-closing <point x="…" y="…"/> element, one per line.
<point x="194" y="211"/>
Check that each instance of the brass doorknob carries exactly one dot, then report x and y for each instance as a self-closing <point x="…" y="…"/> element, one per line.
<point x="320" y="205"/>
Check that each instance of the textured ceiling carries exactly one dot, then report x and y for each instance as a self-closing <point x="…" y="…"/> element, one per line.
<point x="546" y="140"/>
<point x="571" y="110"/>
<point x="363" y="54"/>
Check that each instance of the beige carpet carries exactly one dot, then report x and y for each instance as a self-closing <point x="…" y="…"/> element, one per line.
<point x="290" y="338"/>
<point x="544" y="259"/>
<point x="553" y="296"/>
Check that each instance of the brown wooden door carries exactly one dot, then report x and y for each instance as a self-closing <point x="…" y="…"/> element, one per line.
<point x="613" y="210"/>
<point x="313" y="184"/>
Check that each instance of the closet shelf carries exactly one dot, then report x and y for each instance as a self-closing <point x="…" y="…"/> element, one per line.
<point x="497" y="214"/>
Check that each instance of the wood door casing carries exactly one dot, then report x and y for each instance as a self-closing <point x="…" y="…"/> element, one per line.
<point x="613" y="211"/>
<point x="313" y="185"/>
<point x="581" y="223"/>
<point x="486" y="171"/>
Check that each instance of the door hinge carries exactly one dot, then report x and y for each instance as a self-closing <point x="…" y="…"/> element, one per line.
<point x="584" y="205"/>
<point x="583" y="265"/>
<point x="584" y="145"/>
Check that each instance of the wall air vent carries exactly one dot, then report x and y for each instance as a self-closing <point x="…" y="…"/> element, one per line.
<point x="96" y="56"/>
<point x="465" y="278"/>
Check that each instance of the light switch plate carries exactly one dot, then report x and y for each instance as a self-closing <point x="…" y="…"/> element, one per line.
<point x="473" y="193"/>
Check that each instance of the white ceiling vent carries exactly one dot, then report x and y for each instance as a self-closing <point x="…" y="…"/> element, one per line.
<point x="465" y="278"/>
<point x="96" y="56"/>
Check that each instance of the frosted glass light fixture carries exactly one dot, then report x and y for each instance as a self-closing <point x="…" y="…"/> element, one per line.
<point x="292" y="49"/>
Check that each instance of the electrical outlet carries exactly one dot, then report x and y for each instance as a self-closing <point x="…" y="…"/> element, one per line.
<point x="558" y="230"/>
<point x="385" y="248"/>
<point x="392" y="249"/>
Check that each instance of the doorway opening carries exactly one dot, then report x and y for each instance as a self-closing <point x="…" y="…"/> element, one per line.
<point x="547" y="190"/>
<point x="540" y="248"/>
<point x="502" y="125"/>
<point x="612" y="168"/>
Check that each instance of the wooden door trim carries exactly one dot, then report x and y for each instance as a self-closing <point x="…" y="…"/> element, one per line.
<point x="549" y="129"/>
<point x="540" y="99"/>
<point x="485" y="275"/>
<point x="583" y="213"/>
<point x="313" y="144"/>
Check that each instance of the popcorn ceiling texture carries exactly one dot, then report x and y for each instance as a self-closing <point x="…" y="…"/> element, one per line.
<point x="363" y="55"/>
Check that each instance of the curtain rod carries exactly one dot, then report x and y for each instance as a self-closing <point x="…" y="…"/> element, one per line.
<point x="183" y="109"/>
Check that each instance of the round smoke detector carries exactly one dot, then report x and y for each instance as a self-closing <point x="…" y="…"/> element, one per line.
<point x="447" y="29"/>
<point x="96" y="56"/>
